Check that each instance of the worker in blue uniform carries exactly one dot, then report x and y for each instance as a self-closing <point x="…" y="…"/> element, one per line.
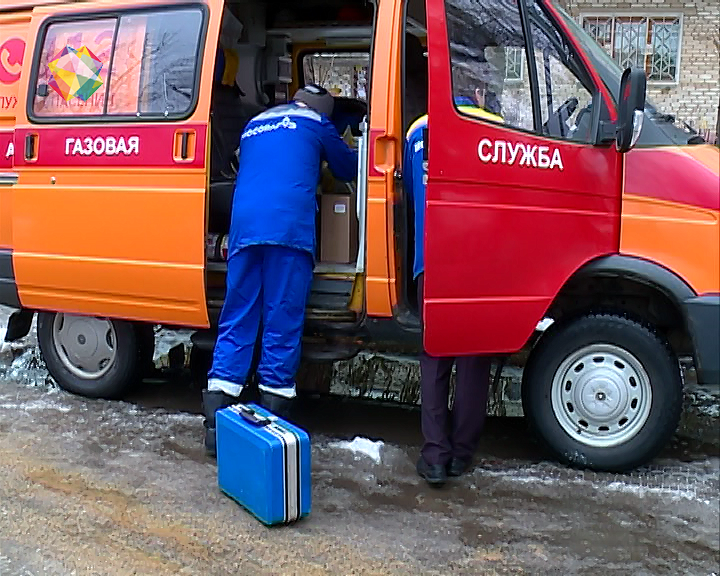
<point x="271" y="249"/>
<point x="450" y="436"/>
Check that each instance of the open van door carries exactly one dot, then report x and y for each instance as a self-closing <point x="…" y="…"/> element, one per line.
<point x="520" y="195"/>
<point x="110" y="209"/>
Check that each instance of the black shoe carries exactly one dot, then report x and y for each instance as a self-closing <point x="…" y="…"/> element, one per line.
<point x="458" y="466"/>
<point x="212" y="402"/>
<point x="278" y="405"/>
<point x="433" y="474"/>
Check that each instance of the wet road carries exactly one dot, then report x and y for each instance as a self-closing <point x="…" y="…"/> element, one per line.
<point x="95" y="487"/>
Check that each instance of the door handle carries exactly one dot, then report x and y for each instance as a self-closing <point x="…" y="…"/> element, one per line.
<point x="8" y="178"/>
<point x="30" y="147"/>
<point x="385" y="147"/>
<point x="184" y="146"/>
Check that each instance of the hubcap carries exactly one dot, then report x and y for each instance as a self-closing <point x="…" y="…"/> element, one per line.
<point x="86" y="346"/>
<point x="601" y="395"/>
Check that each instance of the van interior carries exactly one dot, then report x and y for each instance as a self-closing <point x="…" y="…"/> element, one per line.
<point x="281" y="45"/>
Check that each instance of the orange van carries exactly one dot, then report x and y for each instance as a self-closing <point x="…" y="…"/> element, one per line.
<point x="576" y="202"/>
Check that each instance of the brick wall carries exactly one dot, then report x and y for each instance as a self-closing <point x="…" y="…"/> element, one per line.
<point x="696" y="96"/>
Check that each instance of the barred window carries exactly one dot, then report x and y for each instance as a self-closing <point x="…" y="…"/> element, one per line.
<point x="514" y="59"/>
<point x="649" y="42"/>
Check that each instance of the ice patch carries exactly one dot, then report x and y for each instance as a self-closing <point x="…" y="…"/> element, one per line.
<point x="36" y="405"/>
<point x="361" y="446"/>
<point x="544" y="324"/>
<point x="697" y="482"/>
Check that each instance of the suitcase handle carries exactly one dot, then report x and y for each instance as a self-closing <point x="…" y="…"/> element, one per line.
<point x="253" y="417"/>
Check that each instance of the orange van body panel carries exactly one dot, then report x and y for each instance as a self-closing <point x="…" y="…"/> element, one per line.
<point x="118" y="241"/>
<point x="13" y="40"/>
<point x="671" y="212"/>
<point x="652" y="229"/>
<point x="385" y="150"/>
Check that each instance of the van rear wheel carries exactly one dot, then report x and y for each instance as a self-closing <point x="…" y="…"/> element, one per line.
<point x="92" y="357"/>
<point x="603" y="392"/>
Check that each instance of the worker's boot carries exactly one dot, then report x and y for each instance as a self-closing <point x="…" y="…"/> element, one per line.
<point x="212" y="402"/>
<point x="278" y="405"/>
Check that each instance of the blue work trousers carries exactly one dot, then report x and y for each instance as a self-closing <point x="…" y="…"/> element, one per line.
<point x="266" y="284"/>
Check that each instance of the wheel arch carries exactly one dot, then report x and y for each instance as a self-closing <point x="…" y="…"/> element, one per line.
<point x="641" y="289"/>
<point x="640" y="270"/>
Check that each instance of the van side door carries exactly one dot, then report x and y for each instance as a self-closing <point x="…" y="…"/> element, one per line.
<point x="110" y="210"/>
<point x="519" y="195"/>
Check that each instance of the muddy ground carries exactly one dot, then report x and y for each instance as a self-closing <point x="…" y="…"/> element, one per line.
<point x="120" y="488"/>
<point x="97" y="487"/>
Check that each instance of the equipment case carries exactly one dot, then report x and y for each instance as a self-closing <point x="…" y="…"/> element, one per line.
<point x="263" y="463"/>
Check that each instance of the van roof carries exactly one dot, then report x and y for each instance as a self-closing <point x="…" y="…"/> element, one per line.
<point x="13" y="5"/>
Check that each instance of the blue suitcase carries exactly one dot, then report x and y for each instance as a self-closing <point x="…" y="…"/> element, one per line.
<point x="263" y="463"/>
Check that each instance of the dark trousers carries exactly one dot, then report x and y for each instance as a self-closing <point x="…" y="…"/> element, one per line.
<point x="451" y="433"/>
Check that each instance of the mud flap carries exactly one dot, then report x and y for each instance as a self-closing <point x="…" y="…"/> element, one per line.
<point x="19" y="325"/>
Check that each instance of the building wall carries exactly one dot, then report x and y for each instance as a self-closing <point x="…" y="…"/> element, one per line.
<point x="696" y="96"/>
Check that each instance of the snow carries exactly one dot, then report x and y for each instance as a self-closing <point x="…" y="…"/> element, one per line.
<point x="361" y="447"/>
<point x="166" y="340"/>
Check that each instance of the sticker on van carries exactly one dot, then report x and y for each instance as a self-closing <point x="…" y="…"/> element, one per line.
<point x="102" y="146"/>
<point x="507" y="153"/>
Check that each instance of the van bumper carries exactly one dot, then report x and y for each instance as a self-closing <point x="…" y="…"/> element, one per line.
<point x="703" y="319"/>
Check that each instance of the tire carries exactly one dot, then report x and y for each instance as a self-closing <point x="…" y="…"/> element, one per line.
<point x="603" y="392"/>
<point x="91" y="357"/>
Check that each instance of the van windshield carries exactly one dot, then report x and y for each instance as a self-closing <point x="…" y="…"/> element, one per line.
<point x="664" y="129"/>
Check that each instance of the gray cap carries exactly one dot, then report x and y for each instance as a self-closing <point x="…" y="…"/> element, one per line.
<point x="316" y="98"/>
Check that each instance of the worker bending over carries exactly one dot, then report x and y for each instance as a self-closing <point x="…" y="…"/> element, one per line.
<point x="272" y="248"/>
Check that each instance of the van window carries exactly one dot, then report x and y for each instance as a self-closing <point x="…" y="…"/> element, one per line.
<point x="142" y="64"/>
<point x="344" y="74"/>
<point x="61" y="59"/>
<point x="487" y="51"/>
<point x="565" y="101"/>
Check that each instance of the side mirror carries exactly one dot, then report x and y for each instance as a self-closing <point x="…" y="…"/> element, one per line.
<point x="631" y="105"/>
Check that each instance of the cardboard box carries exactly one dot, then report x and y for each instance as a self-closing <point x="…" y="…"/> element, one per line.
<point x="338" y="228"/>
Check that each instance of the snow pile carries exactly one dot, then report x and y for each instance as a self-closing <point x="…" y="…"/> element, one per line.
<point x="361" y="447"/>
<point x="166" y="340"/>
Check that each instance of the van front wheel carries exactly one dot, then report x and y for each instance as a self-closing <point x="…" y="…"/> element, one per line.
<point x="603" y="392"/>
<point x="92" y="357"/>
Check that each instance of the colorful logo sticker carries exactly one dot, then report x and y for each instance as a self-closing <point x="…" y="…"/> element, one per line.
<point x="75" y="73"/>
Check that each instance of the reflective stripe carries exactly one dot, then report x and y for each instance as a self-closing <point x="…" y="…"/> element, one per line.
<point x="415" y="125"/>
<point x="475" y="111"/>
<point x="230" y="388"/>
<point x="291" y="111"/>
<point x="286" y="392"/>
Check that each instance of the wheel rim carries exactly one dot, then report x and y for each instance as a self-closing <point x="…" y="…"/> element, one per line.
<point x="601" y="395"/>
<point x="86" y="346"/>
